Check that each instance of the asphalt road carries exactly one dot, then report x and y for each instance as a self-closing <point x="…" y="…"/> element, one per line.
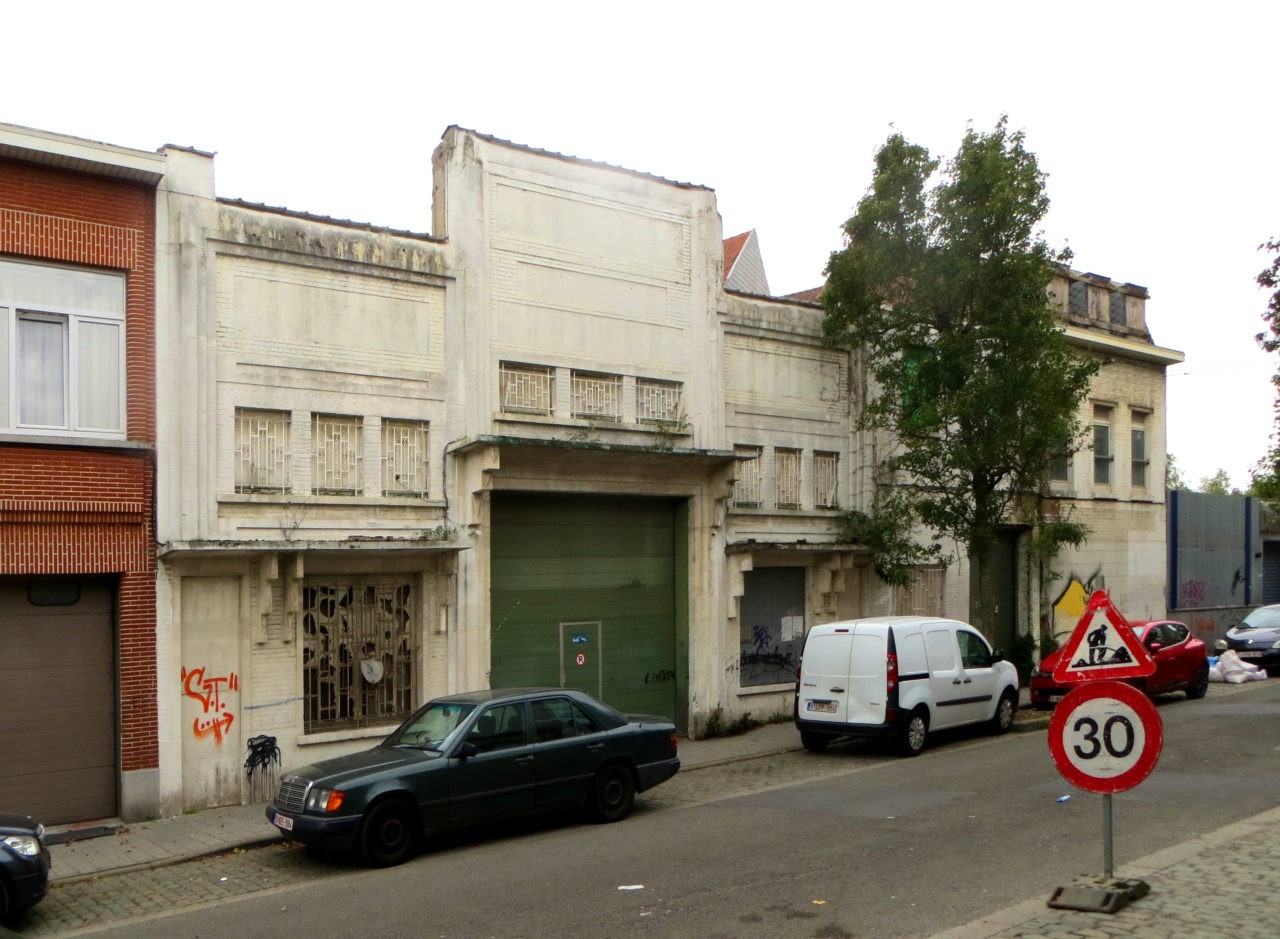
<point x="852" y="842"/>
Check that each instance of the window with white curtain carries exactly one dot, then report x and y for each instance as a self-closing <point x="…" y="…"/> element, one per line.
<point x="61" y="350"/>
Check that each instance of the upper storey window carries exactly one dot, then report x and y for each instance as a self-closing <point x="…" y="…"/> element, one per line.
<point x="526" y="389"/>
<point x="658" y="401"/>
<point x="61" y="351"/>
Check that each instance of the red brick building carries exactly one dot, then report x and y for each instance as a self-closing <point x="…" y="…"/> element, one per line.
<point x="77" y="476"/>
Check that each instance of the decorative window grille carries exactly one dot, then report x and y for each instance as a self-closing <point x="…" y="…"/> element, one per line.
<point x="335" y="455"/>
<point x="1138" y="450"/>
<point x="1078" y="299"/>
<point x="786" y="469"/>
<point x="922" y="595"/>
<point x="826" y="480"/>
<point x="746" y="489"/>
<point x="262" y="451"/>
<point x="597" y="397"/>
<point x="358" y="653"/>
<point x="1102" y="446"/>
<point x="404" y="458"/>
<point x="658" y="401"/>
<point x="526" y="389"/>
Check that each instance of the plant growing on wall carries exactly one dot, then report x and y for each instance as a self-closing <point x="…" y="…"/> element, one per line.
<point x="942" y="286"/>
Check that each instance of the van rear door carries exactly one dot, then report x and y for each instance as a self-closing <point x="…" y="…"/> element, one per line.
<point x="824" y="677"/>
<point x="842" y="678"/>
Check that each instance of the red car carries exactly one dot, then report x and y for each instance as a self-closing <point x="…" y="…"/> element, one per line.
<point x="1182" y="664"/>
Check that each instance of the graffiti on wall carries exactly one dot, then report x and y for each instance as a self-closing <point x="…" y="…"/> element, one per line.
<point x="1069" y="605"/>
<point x="208" y="690"/>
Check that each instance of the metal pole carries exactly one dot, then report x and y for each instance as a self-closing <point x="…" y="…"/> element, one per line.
<point x="1106" y="834"/>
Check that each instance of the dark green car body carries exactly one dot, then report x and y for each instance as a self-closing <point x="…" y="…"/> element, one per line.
<point x="473" y="757"/>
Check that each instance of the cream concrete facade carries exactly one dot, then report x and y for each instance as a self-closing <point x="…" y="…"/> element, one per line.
<point x="298" y="355"/>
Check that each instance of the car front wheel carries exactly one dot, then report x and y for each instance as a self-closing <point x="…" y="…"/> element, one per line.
<point x="389" y="834"/>
<point x="613" y="793"/>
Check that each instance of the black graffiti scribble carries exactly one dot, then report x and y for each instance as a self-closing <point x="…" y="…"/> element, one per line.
<point x="263" y="751"/>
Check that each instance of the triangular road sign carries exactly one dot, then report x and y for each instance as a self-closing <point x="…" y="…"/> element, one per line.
<point x="1103" y="645"/>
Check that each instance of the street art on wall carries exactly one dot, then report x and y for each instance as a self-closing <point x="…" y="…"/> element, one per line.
<point x="1069" y="605"/>
<point x="209" y="691"/>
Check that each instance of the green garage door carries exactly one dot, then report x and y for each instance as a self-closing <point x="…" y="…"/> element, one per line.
<point x="588" y="593"/>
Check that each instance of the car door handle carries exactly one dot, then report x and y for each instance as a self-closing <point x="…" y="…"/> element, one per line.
<point x="525" y="759"/>
<point x="595" y="746"/>
<point x="837" y="691"/>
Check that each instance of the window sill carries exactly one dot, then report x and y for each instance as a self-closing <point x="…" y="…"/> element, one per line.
<point x="346" y="733"/>
<point x="597" y="425"/>
<point x="73" y="440"/>
<point x="297" y="498"/>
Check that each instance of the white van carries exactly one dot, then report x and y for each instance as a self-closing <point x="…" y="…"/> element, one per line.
<point x="901" y="676"/>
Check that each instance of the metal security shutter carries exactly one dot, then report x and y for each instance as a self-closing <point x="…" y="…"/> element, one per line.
<point x="59" y="731"/>
<point x="1271" y="571"/>
<point x="585" y="587"/>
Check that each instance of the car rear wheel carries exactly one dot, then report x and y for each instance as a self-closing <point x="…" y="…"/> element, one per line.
<point x="1002" y="720"/>
<point x="613" y="793"/>
<point x="1199" y="686"/>
<point x="814" y="743"/>
<point x="911" y="739"/>
<point x="389" y="834"/>
<point x="8" y="912"/>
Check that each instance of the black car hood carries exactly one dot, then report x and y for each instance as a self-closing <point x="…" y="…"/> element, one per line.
<point x="1258" y="635"/>
<point x="333" y="771"/>
<point x="17" y="824"/>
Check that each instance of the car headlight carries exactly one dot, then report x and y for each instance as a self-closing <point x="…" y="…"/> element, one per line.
<point x="26" y="845"/>
<point x="1036" y="673"/>
<point x="325" y="800"/>
<point x="1276" y="644"/>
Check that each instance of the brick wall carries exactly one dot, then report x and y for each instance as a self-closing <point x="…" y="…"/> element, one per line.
<point x="90" y="510"/>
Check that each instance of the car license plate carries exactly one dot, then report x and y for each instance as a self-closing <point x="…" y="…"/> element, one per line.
<point x="822" y="707"/>
<point x="1251" y="654"/>
<point x="283" y="822"/>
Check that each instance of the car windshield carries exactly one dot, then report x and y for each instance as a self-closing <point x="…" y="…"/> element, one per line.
<point x="428" y="729"/>
<point x="1265" y="618"/>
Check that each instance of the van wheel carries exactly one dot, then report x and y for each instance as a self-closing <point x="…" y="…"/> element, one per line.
<point x="814" y="743"/>
<point x="911" y="739"/>
<point x="1002" y="720"/>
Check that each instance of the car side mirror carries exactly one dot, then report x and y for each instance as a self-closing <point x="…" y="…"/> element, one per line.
<point x="1155" y="646"/>
<point x="468" y="749"/>
<point x="997" y="655"/>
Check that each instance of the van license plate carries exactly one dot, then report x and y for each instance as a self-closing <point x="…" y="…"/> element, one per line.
<point x="823" y="707"/>
<point x="283" y="822"/>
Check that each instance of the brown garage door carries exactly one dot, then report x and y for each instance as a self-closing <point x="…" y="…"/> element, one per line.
<point x="58" y="722"/>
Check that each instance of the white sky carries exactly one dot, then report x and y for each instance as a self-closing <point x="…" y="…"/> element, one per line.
<point x="1155" y="122"/>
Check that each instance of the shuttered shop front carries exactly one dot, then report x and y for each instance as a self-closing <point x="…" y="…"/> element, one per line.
<point x="587" y="592"/>
<point x="58" y="729"/>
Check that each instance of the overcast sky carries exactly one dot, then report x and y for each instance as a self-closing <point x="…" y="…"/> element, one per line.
<point x="1155" y="122"/>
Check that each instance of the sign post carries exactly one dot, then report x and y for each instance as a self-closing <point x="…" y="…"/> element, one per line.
<point x="1105" y="736"/>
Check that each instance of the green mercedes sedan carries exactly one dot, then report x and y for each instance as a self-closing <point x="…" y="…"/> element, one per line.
<point x="473" y="757"/>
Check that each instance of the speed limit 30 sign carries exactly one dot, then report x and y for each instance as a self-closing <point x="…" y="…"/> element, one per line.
<point x="1105" y="736"/>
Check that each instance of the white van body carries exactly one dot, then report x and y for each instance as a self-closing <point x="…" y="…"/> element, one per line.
<point x="900" y="675"/>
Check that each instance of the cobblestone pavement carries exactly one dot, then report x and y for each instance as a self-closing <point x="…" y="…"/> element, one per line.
<point x="86" y="903"/>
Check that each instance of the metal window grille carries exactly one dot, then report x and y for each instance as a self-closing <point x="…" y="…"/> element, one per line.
<point x="526" y="389"/>
<point x="786" y="469"/>
<point x="404" y="458"/>
<point x="357" y="653"/>
<point x="1078" y="299"/>
<point x="597" y="397"/>
<point x="1118" y="311"/>
<point x="658" y="401"/>
<point x="922" y="595"/>
<point x="826" y="480"/>
<point x="262" y="451"/>
<point x="746" y="489"/>
<point x="335" y="455"/>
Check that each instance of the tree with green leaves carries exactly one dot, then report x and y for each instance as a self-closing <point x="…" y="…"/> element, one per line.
<point x="1172" y="475"/>
<point x="941" y="289"/>
<point x="1219" y="484"/>
<point x="1265" y="481"/>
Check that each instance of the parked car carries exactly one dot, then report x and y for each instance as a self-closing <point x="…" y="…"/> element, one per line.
<point x="472" y="757"/>
<point x="1256" y="639"/>
<point x="1182" y="664"/>
<point x="24" y="866"/>
<point x="900" y="676"/>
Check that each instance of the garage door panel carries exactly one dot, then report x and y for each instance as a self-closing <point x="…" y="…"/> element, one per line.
<point x="59" y="732"/>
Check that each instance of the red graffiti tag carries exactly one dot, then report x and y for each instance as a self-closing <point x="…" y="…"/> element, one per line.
<point x="208" y="691"/>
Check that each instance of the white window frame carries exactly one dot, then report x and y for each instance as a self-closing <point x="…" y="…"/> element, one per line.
<point x="1102" y="461"/>
<point x="526" y="389"/>
<point x="659" y="402"/>
<point x="787" y="481"/>
<point x="337" y="454"/>
<point x="23" y="299"/>
<point x="597" y="396"/>
<point x="406" y="461"/>
<point x="1139" y="454"/>
<point x="826" y="479"/>
<point x="746" y="487"/>
<point x="262" y="461"/>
